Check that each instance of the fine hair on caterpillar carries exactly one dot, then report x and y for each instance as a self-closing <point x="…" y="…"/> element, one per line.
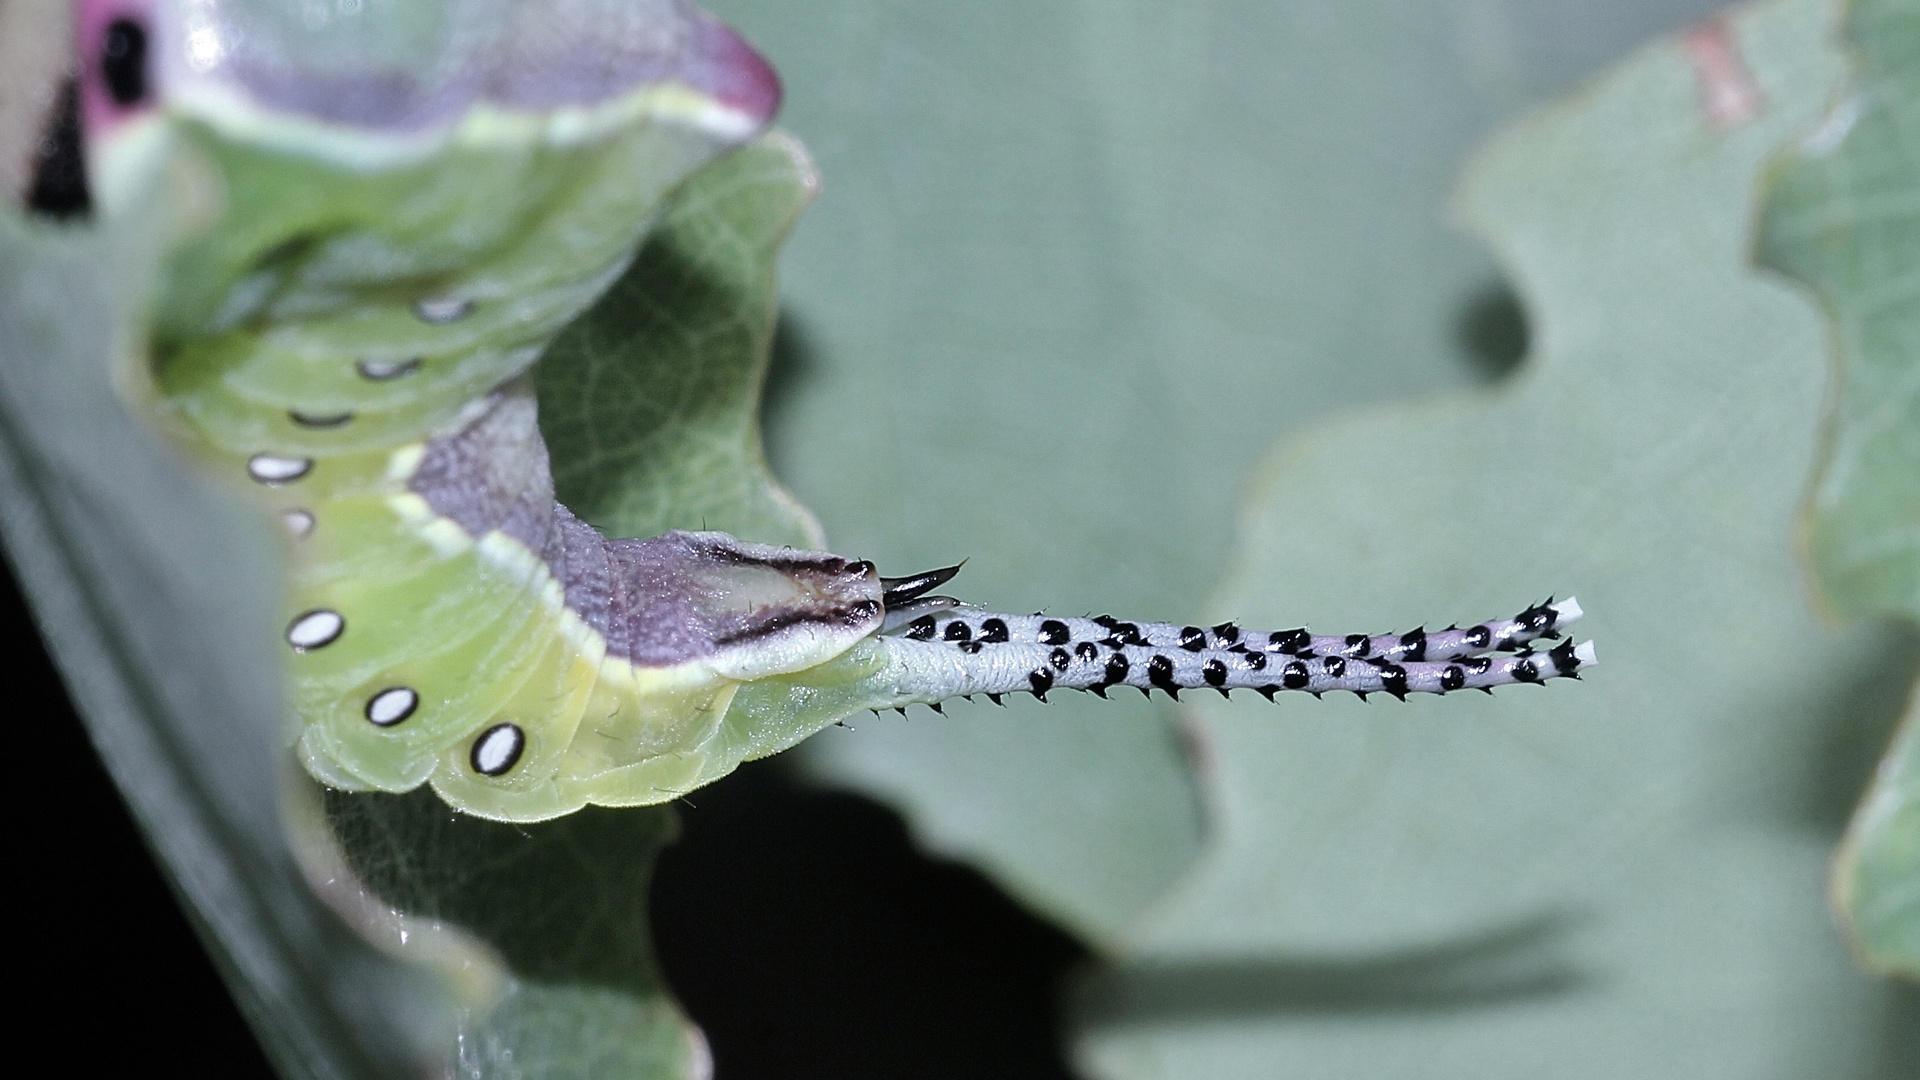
<point x="352" y="340"/>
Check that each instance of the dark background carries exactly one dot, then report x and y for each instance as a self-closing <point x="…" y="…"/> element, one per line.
<point x="799" y="927"/>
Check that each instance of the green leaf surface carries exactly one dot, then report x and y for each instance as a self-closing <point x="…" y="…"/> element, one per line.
<point x="559" y="906"/>
<point x="1876" y="881"/>
<point x="1843" y="216"/>
<point x="650" y="403"/>
<point x="156" y="599"/>
<point x="1611" y="878"/>
<point x="1074" y="266"/>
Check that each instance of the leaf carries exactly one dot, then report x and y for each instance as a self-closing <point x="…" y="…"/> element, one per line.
<point x="559" y="905"/>
<point x="156" y="598"/>
<point x="1843" y="216"/>
<point x="1876" y="881"/>
<point x="1074" y="267"/>
<point x="650" y="403"/>
<point x="1614" y="879"/>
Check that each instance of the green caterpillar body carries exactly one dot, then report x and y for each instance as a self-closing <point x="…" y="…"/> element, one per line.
<point x="349" y="335"/>
<point x="350" y="341"/>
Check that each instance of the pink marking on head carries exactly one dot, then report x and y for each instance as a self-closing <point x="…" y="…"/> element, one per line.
<point x="726" y="67"/>
<point x="101" y="111"/>
<point x="1729" y="96"/>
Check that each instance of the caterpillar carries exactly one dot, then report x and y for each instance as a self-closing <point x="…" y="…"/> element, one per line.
<point x="351" y="336"/>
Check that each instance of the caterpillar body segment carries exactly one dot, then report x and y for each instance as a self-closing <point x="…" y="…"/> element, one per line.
<point x="953" y="623"/>
<point x="1039" y="669"/>
<point x="975" y="652"/>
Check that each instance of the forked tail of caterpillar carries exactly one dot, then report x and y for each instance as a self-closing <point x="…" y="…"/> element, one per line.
<point x="956" y="651"/>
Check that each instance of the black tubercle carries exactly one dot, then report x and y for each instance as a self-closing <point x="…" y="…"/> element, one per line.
<point x="1290" y="641"/>
<point x="1160" y="674"/>
<point x="1564" y="661"/>
<point x="1413" y="645"/>
<point x="1041" y="680"/>
<point x="897" y="591"/>
<point x="123" y="61"/>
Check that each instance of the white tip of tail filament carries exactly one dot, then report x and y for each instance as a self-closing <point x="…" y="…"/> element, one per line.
<point x="1584" y="653"/>
<point x="1566" y="611"/>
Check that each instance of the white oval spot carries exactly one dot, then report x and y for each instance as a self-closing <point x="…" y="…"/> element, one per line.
<point x="270" y="469"/>
<point x="298" y="522"/>
<point x="497" y="749"/>
<point x="382" y="370"/>
<point x="314" y="629"/>
<point x="444" y="310"/>
<point x="390" y="706"/>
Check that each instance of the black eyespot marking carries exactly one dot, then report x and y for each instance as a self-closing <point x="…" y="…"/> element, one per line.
<point x="969" y="647"/>
<point x="274" y="470"/>
<point x="1393" y="679"/>
<point x="1215" y="672"/>
<point x="1227" y="632"/>
<point x="1127" y="633"/>
<point x="1413" y="645"/>
<point x="1290" y="641"/>
<point x="1059" y="659"/>
<point x="1192" y="638"/>
<point x="1117" y="668"/>
<point x="921" y="629"/>
<point x="1041" y="680"/>
<point x="498" y="749"/>
<point x="1358" y="645"/>
<point x="1256" y="661"/>
<point x="1335" y="667"/>
<point x="1086" y="650"/>
<point x="1453" y="678"/>
<point x="123" y="61"/>
<point x="957" y="630"/>
<point x="994" y="631"/>
<point x="1478" y="665"/>
<point x="315" y="629"/>
<point x="1107" y="621"/>
<point x="382" y="370"/>
<point x="1526" y="671"/>
<point x="392" y="705"/>
<point x="1054" y="632"/>
<point x="1294" y="676"/>
<point x="1160" y="674"/>
<point x="324" y="420"/>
